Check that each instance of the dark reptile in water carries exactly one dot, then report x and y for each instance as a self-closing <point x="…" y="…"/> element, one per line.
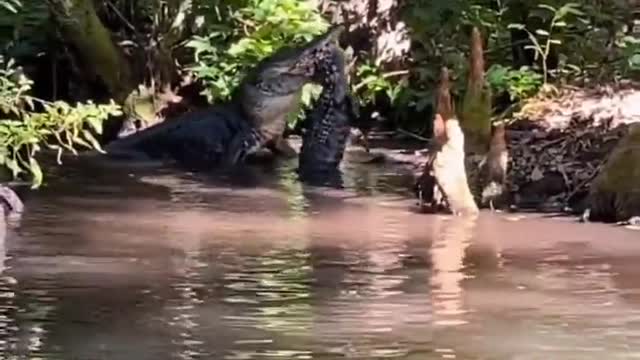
<point x="327" y="124"/>
<point x="254" y="118"/>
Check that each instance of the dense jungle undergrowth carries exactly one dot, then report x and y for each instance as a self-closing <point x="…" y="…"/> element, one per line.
<point x="74" y="71"/>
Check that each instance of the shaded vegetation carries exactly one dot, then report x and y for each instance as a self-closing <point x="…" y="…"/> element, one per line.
<point x="27" y="124"/>
<point x="82" y="50"/>
<point x="525" y="42"/>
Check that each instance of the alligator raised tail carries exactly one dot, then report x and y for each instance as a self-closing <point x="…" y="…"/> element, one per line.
<point x="255" y="117"/>
<point x="327" y="124"/>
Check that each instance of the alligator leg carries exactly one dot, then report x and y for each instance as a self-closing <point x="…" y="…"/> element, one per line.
<point x="242" y="145"/>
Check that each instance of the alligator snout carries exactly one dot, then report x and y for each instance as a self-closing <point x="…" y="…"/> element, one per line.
<point x="316" y="52"/>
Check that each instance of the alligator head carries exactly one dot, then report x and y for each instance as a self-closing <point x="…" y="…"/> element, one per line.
<point x="273" y="89"/>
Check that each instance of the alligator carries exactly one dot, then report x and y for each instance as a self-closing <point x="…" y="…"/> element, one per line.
<point x="328" y="123"/>
<point x="254" y="118"/>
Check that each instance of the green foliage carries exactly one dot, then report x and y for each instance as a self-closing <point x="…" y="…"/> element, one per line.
<point x="440" y="32"/>
<point x="576" y="40"/>
<point x="23" y="28"/>
<point x="373" y="81"/>
<point x="630" y="46"/>
<point x="518" y="83"/>
<point x="544" y="38"/>
<point x="61" y="127"/>
<point x="243" y="34"/>
<point x="581" y="40"/>
<point x="10" y="5"/>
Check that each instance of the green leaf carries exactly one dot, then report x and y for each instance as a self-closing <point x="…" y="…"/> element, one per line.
<point x="547" y="7"/>
<point x="13" y="165"/>
<point x="573" y="8"/>
<point x="92" y="140"/>
<point x="542" y="32"/>
<point x="634" y="62"/>
<point x="36" y="172"/>
<point x="516" y="26"/>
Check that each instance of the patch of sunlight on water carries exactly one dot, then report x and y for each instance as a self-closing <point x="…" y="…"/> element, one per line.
<point x="155" y="264"/>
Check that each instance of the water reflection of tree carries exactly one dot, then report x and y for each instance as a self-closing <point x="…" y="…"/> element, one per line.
<point x="362" y="300"/>
<point x="6" y="292"/>
<point x="22" y="325"/>
<point x="459" y="254"/>
<point x="183" y="308"/>
<point x="3" y="245"/>
<point x="270" y="293"/>
<point x="451" y="237"/>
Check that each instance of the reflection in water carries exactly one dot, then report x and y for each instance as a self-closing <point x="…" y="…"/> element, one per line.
<point x="181" y="309"/>
<point x="275" y="300"/>
<point x="3" y="246"/>
<point x="22" y="328"/>
<point x="451" y="237"/>
<point x="168" y="267"/>
<point x="6" y="293"/>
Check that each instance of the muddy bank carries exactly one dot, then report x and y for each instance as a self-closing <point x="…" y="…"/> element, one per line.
<point x="547" y="171"/>
<point x="559" y="143"/>
<point x="557" y="147"/>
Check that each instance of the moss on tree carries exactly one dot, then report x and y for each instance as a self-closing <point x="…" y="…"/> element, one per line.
<point x="476" y="106"/>
<point x="101" y="59"/>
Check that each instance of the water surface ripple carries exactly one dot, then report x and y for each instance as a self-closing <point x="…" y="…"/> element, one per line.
<point x="110" y="263"/>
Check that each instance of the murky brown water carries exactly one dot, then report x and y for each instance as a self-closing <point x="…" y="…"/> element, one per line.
<point x="162" y="265"/>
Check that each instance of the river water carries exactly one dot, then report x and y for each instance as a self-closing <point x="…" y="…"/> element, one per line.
<point x="113" y="263"/>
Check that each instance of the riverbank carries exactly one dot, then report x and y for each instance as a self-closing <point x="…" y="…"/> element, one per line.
<point x="557" y="146"/>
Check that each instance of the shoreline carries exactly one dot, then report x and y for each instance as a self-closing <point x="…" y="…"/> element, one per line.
<point x="542" y="175"/>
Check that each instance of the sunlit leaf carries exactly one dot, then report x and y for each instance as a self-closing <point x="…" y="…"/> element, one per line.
<point x="36" y="172"/>
<point x="92" y="140"/>
<point x="542" y="32"/>
<point x="547" y="7"/>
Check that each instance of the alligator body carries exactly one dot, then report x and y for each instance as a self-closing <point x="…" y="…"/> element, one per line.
<point x="328" y="124"/>
<point x="254" y="118"/>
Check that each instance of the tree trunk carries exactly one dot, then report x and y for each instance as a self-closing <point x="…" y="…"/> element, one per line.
<point x="100" y="58"/>
<point x="476" y="108"/>
<point x="615" y="193"/>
